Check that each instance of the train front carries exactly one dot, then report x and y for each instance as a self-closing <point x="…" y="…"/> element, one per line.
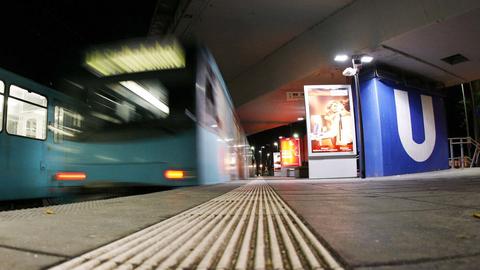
<point x="135" y="123"/>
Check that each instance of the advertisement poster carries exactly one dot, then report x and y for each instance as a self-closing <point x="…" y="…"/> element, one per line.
<point x="330" y="120"/>
<point x="290" y="152"/>
<point x="277" y="162"/>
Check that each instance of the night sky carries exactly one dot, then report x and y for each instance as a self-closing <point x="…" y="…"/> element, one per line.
<point x="45" y="40"/>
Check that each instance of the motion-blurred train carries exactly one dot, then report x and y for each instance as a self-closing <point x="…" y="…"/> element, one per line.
<point x="159" y="113"/>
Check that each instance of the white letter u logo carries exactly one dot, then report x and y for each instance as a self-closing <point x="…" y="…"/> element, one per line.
<point x="417" y="151"/>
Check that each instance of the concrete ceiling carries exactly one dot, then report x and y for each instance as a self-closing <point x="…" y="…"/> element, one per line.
<point x="456" y="35"/>
<point x="268" y="48"/>
<point x="242" y="33"/>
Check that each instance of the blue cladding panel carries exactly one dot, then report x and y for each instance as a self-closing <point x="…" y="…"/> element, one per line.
<point x="384" y="152"/>
<point x="371" y="122"/>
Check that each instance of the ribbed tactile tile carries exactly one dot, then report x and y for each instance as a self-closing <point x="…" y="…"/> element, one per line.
<point x="247" y="228"/>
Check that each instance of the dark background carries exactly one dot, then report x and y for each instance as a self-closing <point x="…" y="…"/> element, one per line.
<point x="46" y="40"/>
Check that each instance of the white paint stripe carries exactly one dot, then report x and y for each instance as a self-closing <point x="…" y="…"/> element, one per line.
<point x="332" y="263"/>
<point x="202" y="248"/>
<point x="208" y="259"/>
<point x="260" y="244"/>
<point x="226" y="259"/>
<point x="287" y="242"/>
<point x="312" y="260"/>
<point x="242" y="259"/>
<point x="274" y="245"/>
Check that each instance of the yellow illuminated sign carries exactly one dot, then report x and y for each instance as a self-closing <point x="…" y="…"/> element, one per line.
<point x="140" y="58"/>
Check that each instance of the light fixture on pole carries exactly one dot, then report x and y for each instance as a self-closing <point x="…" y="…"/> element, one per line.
<point x="357" y="61"/>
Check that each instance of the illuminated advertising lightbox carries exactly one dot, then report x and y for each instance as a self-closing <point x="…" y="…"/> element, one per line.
<point x="277" y="161"/>
<point x="290" y="152"/>
<point x="330" y="120"/>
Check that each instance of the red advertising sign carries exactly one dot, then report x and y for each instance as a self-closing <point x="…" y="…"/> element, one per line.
<point x="290" y="152"/>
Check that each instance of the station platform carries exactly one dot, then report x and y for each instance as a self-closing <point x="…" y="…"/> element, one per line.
<point x="420" y="221"/>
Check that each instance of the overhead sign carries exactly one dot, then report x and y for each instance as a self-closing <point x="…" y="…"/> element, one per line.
<point x="136" y="56"/>
<point x="290" y="152"/>
<point x="330" y="120"/>
<point x="294" y="96"/>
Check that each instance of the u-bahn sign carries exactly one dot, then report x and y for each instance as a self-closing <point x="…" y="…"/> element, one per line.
<point x="404" y="129"/>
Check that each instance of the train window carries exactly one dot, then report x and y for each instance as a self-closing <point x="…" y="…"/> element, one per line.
<point x="2" y="89"/>
<point x="24" y="115"/>
<point x="209" y="92"/>
<point x="67" y="124"/>
<point x="31" y="97"/>
<point x="31" y="127"/>
<point x="210" y="99"/>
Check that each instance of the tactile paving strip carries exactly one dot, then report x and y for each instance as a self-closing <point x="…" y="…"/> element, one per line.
<point x="247" y="228"/>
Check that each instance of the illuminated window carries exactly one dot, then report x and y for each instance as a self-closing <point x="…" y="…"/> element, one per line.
<point x="26" y="113"/>
<point x="31" y="127"/>
<point x="67" y="124"/>
<point x="26" y="95"/>
<point x="2" y="87"/>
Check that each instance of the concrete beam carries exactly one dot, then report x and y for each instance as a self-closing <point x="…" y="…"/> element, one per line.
<point x="359" y="27"/>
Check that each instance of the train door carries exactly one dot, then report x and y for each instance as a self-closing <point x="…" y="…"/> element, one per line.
<point x="211" y="150"/>
<point x="25" y="147"/>
<point x="57" y="151"/>
<point x="65" y="124"/>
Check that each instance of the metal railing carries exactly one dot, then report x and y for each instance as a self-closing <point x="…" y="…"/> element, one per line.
<point x="464" y="152"/>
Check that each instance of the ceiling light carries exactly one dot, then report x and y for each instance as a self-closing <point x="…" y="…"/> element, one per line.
<point x="366" y="59"/>
<point x="341" y="58"/>
<point x="300" y="118"/>
<point x="147" y="96"/>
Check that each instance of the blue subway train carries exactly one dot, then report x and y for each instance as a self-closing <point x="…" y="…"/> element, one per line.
<point x="158" y="113"/>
